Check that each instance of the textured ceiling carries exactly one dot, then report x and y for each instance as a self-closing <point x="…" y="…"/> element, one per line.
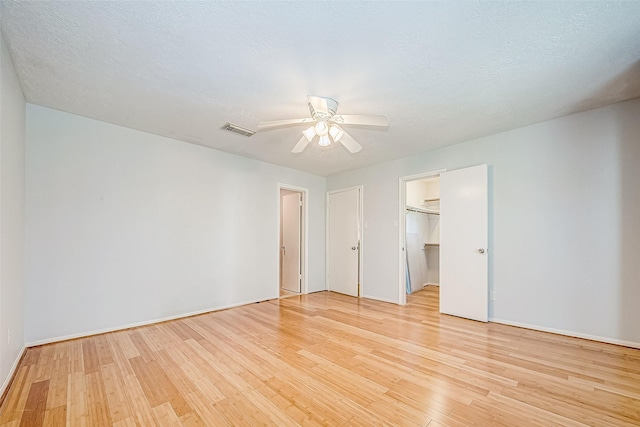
<point x="444" y="72"/>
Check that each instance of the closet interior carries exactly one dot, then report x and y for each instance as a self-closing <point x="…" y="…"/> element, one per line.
<point x="422" y="227"/>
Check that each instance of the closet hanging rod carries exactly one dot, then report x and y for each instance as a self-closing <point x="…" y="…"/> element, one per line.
<point x="424" y="211"/>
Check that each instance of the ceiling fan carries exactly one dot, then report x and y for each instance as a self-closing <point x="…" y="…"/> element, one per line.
<point x="326" y="124"/>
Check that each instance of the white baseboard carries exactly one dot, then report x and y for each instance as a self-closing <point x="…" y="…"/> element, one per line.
<point x="138" y="324"/>
<point x="12" y="371"/>
<point x="568" y="333"/>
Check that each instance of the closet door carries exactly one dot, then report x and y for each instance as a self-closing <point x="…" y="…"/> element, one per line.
<point x="343" y="241"/>
<point x="464" y="288"/>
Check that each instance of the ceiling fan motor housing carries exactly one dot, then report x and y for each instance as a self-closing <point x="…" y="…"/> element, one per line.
<point x="322" y="108"/>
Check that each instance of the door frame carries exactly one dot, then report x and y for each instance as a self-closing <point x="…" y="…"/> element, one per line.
<point x="304" y="246"/>
<point x="360" y="189"/>
<point x="402" y="228"/>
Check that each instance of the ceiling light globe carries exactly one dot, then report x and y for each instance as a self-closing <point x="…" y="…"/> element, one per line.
<point x="322" y="129"/>
<point x="309" y="133"/>
<point x="324" y="141"/>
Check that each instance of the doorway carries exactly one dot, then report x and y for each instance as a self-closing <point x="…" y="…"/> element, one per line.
<point x="413" y="190"/>
<point x="292" y="240"/>
<point x="344" y="241"/>
<point x="422" y="233"/>
<point x="462" y="208"/>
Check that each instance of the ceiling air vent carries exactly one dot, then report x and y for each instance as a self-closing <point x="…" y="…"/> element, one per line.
<point x="230" y="127"/>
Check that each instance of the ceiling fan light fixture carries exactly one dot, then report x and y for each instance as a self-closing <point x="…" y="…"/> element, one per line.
<point x="324" y="141"/>
<point x="336" y="133"/>
<point x="309" y="133"/>
<point x="322" y="129"/>
<point x="327" y="125"/>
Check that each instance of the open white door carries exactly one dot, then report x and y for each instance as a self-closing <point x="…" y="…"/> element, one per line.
<point x="290" y="245"/>
<point x="464" y="288"/>
<point x="343" y="241"/>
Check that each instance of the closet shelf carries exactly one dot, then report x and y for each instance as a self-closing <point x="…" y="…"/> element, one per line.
<point x="431" y="245"/>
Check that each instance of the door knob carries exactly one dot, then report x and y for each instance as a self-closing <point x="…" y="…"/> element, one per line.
<point x="480" y="251"/>
<point x="353" y="248"/>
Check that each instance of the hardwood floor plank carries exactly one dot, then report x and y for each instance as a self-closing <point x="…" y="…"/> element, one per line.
<point x="55" y="416"/>
<point x="183" y="330"/>
<point x="77" y="411"/>
<point x="232" y="415"/>
<point x="116" y="393"/>
<point x="44" y="364"/>
<point x="137" y="401"/>
<point x="206" y="410"/>
<point x="90" y="359"/>
<point x="59" y="378"/>
<point x="150" y="386"/>
<point x="103" y="350"/>
<point x="118" y="341"/>
<point x="140" y="344"/>
<point x="121" y="342"/>
<point x="182" y="384"/>
<point x="13" y="404"/>
<point x="157" y="385"/>
<point x="35" y="406"/>
<point x="296" y="413"/>
<point x="165" y="415"/>
<point x="326" y="359"/>
<point x="522" y="409"/>
<point x="31" y="357"/>
<point x="175" y="399"/>
<point x="127" y="422"/>
<point x="192" y="419"/>
<point x="97" y="403"/>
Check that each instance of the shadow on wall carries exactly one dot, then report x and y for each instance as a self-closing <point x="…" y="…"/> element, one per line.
<point x="628" y="142"/>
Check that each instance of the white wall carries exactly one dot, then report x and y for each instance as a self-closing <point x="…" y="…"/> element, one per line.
<point x="415" y="192"/>
<point x="126" y="227"/>
<point x="420" y="189"/>
<point x="564" y="232"/>
<point x="12" y="148"/>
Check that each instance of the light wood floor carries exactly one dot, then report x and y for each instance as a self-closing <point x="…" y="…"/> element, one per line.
<point x="326" y="359"/>
<point x="286" y="294"/>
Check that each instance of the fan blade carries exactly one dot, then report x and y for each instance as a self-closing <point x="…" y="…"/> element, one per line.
<point x="361" y="119"/>
<point x="349" y="143"/>
<point x="301" y="145"/>
<point x="276" y="123"/>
